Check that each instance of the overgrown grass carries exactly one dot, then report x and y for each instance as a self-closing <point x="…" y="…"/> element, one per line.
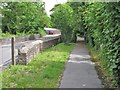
<point x="0" y="81"/>
<point x="44" y="71"/>
<point x="108" y="80"/>
<point x="7" y="35"/>
<point x="42" y="32"/>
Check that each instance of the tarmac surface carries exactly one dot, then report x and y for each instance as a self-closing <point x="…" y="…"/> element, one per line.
<point x="80" y="70"/>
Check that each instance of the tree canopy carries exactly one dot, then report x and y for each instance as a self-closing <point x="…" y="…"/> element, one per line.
<point x="27" y="17"/>
<point x="62" y="18"/>
<point x="100" y="24"/>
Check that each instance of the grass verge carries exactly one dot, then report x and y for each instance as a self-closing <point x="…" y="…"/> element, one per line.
<point x="108" y="80"/>
<point x="0" y="81"/>
<point x="44" y="71"/>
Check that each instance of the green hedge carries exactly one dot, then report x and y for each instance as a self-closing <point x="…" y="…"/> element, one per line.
<point x="102" y="22"/>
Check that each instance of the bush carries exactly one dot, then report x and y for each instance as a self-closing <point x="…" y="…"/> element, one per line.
<point x="102" y="23"/>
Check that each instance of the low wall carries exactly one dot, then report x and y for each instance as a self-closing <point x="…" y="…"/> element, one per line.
<point x="5" y="41"/>
<point x="31" y="49"/>
<point x="50" y="42"/>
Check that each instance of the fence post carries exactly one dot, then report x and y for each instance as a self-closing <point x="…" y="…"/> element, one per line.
<point x="13" y="50"/>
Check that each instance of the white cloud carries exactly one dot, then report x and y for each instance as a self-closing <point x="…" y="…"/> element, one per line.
<point x="62" y="1"/>
<point x="49" y="4"/>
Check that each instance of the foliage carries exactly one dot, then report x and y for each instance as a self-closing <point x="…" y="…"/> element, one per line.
<point x="44" y="71"/>
<point x="78" y="23"/>
<point x="8" y="35"/>
<point x="27" y="17"/>
<point x="62" y="18"/>
<point x="100" y="22"/>
<point x="103" y="34"/>
<point x="0" y="17"/>
<point x="2" y="35"/>
<point x="42" y="32"/>
<point x="107" y="80"/>
<point x="0" y="81"/>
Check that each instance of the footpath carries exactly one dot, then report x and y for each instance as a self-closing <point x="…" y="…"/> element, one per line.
<point x="80" y="70"/>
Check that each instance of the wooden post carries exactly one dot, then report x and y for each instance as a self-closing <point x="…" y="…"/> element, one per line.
<point x="13" y="50"/>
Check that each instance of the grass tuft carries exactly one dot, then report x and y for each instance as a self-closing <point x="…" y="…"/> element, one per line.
<point x="0" y="81"/>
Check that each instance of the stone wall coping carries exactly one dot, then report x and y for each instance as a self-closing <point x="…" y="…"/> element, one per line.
<point x="28" y="46"/>
<point x="30" y="49"/>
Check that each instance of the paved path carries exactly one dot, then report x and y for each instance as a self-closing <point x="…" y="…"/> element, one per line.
<point x="80" y="70"/>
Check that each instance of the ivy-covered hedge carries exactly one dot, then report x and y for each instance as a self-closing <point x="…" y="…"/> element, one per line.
<point x="102" y="24"/>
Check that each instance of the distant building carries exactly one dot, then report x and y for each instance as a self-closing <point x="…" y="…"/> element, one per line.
<point x="51" y="31"/>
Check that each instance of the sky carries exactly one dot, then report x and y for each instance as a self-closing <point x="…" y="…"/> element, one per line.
<point x="49" y="4"/>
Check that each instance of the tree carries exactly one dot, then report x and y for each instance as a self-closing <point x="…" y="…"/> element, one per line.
<point x="62" y="18"/>
<point x="27" y="17"/>
<point x="0" y="17"/>
<point x="101" y="22"/>
<point x="78" y="21"/>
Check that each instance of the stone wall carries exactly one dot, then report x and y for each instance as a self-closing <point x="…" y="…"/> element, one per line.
<point x="31" y="49"/>
<point x="50" y="42"/>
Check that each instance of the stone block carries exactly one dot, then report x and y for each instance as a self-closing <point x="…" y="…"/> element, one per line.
<point x="31" y="49"/>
